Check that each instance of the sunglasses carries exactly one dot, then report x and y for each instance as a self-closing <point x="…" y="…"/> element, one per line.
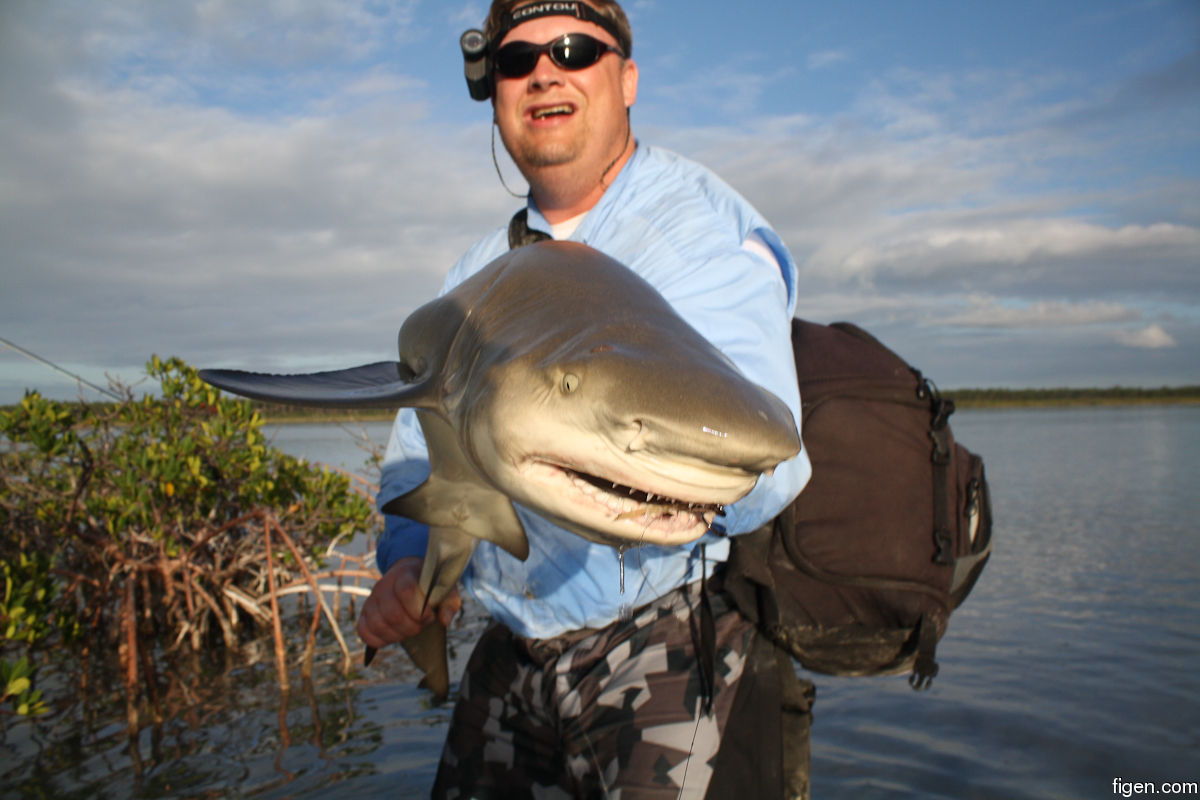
<point x="571" y="51"/>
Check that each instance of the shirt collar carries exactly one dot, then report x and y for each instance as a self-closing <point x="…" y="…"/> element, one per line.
<point x="614" y="190"/>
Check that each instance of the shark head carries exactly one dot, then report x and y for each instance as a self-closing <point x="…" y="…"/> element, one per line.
<point x="627" y="444"/>
<point x="602" y="409"/>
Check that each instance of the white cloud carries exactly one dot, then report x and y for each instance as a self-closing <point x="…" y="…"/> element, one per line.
<point x="1152" y="337"/>
<point x="731" y="90"/>
<point x="989" y="312"/>
<point x="138" y="220"/>
<point x="862" y="209"/>
<point x="929" y="245"/>
<point x="857" y="305"/>
<point x="826" y="58"/>
<point x="470" y="15"/>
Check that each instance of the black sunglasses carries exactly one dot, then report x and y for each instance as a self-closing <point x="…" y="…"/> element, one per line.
<point x="571" y="51"/>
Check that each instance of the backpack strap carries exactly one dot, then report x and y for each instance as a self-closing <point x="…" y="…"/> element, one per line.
<point x="519" y="232"/>
<point x="704" y="638"/>
<point x="940" y="410"/>
<point x="925" y="668"/>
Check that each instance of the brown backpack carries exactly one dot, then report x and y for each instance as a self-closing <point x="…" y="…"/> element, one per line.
<point x="859" y="575"/>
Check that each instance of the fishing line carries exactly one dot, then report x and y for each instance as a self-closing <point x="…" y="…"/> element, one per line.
<point x="691" y="749"/>
<point x="611" y="164"/>
<point x="499" y="174"/>
<point x="35" y="357"/>
<point x="624" y="147"/>
<point x="699" y="700"/>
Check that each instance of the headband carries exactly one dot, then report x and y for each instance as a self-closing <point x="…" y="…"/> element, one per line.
<point x="578" y="10"/>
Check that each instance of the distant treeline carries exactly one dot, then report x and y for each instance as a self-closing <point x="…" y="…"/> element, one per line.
<point x="279" y="413"/>
<point x="1115" y="395"/>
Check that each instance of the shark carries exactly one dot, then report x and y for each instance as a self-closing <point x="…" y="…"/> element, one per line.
<point x="557" y="379"/>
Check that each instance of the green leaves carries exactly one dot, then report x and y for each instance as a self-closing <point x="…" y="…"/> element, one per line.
<point x="166" y="492"/>
<point x="46" y="426"/>
<point x="26" y="616"/>
<point x="16" y="687"/>
<point x="27" y="600"/>
<point x="158" y="465"/>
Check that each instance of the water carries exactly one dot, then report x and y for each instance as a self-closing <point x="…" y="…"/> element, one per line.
<point x="342" y="445"/>
<point x="1072" y="664"/>
<point x="1074" y="661"/>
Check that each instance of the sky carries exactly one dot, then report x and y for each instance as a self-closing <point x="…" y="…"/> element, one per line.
<point x="1007" y="194"/>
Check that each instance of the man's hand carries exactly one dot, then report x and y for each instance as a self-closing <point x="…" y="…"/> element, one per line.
<point x="393" y="611"/>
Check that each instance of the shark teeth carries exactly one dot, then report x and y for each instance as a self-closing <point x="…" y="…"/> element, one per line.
<point x="647" y="501"/>
<point x="606" y="511"/>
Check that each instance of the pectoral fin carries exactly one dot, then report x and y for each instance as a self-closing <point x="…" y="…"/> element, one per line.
<point x="457" y="496"/>
<point x="384" y="384"/>
<point x="476" y="510"/>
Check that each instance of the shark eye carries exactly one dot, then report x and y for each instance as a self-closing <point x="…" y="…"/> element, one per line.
<point x="570" y="382"/>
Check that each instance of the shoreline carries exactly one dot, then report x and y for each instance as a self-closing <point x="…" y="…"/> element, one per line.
<point x="963" y="399"/>
<point x="983" y="405"/>
<point x="1074" y="398"/>
<point x="291" y="417"/>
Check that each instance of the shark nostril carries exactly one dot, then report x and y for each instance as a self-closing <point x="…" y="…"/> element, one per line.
<point x="637" y="441"/>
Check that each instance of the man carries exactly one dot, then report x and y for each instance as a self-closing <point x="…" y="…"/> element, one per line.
<point x="581" y="689"/>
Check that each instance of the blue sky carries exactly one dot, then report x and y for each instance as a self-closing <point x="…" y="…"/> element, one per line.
<point x="1006" y="193"/>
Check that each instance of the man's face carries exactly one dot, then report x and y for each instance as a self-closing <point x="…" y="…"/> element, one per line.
<point x="554" y="117"/>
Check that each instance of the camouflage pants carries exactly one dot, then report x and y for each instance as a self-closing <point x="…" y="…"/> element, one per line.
<point x="611" y="713"/>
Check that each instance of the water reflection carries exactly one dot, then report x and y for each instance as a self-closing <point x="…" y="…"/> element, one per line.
<point x="1072" y="663"/>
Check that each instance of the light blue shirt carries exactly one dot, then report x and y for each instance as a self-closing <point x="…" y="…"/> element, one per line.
<point x="684" y="230"/>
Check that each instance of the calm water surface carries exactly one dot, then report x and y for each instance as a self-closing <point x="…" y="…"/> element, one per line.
<point x="1074" y="662"/>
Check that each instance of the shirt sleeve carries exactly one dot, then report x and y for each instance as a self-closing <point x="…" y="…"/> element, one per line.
<point x="739" y="301"/>
<point x="771" y="364"/>
<point x="405" y="466"/>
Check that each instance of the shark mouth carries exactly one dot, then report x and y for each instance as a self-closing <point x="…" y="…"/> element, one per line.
<point x="613" y="512"/>
<point x="648" y="502"/>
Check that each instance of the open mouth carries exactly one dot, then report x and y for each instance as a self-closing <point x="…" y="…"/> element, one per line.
<point x="546" y="112"/>
<point x="646" y="503"/>
<point x="629" y="504"/>
<point x="623" y="513"/>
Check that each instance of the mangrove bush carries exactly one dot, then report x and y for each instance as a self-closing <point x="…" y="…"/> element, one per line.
<point x="157" y="524"/>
